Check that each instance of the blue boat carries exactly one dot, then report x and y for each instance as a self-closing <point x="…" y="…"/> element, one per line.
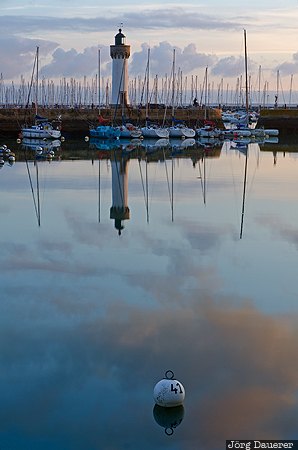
<point x="105" y="132"/>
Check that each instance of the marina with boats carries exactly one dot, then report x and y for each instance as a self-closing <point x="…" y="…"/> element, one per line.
<point x="122" y="118"/>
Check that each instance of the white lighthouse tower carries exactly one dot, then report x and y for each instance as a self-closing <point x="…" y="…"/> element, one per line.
<point x="120" y="52"/>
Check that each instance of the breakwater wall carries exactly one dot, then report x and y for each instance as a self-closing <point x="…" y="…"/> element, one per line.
<point x="283" y="119"/>
<point x="76" y="121"/>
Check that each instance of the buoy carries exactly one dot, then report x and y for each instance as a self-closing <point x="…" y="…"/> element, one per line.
<point x="86" y="138"/>
<point x="19" y="141"/>
<point x="169" y="392"/>
<point x="62" y="139"/>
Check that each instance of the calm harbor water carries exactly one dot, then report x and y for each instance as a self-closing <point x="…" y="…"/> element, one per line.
<point x="97" y="302"/>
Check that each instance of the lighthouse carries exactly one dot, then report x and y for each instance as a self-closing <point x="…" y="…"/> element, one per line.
<point x="120" y="52"/>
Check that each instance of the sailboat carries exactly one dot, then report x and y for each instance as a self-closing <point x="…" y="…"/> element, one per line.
<point x="42" y="128"/>
<point x="245" y="123"/>
<point x="103" y="130"/>
<point x="152" y="131"/>
<point x="178" y="130"/>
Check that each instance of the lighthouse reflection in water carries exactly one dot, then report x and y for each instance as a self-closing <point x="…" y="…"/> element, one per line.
<point x="119" y="210"/>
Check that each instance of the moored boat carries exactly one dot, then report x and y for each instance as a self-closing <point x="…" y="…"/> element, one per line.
<point x="128" y="131"/>
<point x="181" y="131"/>
<point x="155" y="132"/>
<point x="43" y="129"/>
<point x="105" y="132"/>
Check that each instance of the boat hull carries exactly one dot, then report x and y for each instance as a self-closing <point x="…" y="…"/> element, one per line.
<point x="182" y="132"/>
<point x="36" y="132"/>
<point x="129" y="133"/>
<point x="155" y="133"/>
<point x="105" y="132"/>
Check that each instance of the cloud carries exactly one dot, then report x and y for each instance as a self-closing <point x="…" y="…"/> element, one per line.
<point x="288" y="67"/>
<point x="74" y="63"/>
<point x="167" y="18"/>
<point x="17" y="54"/>
<point x="231" y="66"/>
<point x="71" y="63"/>
<point x="171" y="18"/>
<point x="161" y="58"/>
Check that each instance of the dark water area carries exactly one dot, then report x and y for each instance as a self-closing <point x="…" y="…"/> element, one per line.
<point x="118" y="265"/>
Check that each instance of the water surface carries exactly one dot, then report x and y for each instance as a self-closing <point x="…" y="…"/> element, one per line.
<point x="97" y="302"/>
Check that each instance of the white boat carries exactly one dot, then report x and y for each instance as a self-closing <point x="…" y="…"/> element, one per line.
<point x="129" y="131"/>
<point x="155" y="132"/>
<point x="181" y="131"/>
<point x="178" y="129"/>
<point x="42" y="127"/>
<point x="208" y="131"/>
<point x="237" y="119"/>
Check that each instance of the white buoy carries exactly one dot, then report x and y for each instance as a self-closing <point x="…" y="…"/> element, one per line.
<point x="86" y="138"/>
<point x="169" y="392"/>
<point x="62" y="139"/>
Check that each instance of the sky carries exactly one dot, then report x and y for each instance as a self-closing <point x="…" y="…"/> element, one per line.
<point x="203" y="34"/>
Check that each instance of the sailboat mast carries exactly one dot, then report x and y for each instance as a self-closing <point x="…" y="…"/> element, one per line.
<point x="259" y="90"/>
<point x="99" y="81"/>
<point x="147" y="87"/>
<point x="36" y="90"/>
<point x="246" y="76"/>
<point x="173" y="87"/>
<point x="291" y="87"/>
<point x="206" y="93"/>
